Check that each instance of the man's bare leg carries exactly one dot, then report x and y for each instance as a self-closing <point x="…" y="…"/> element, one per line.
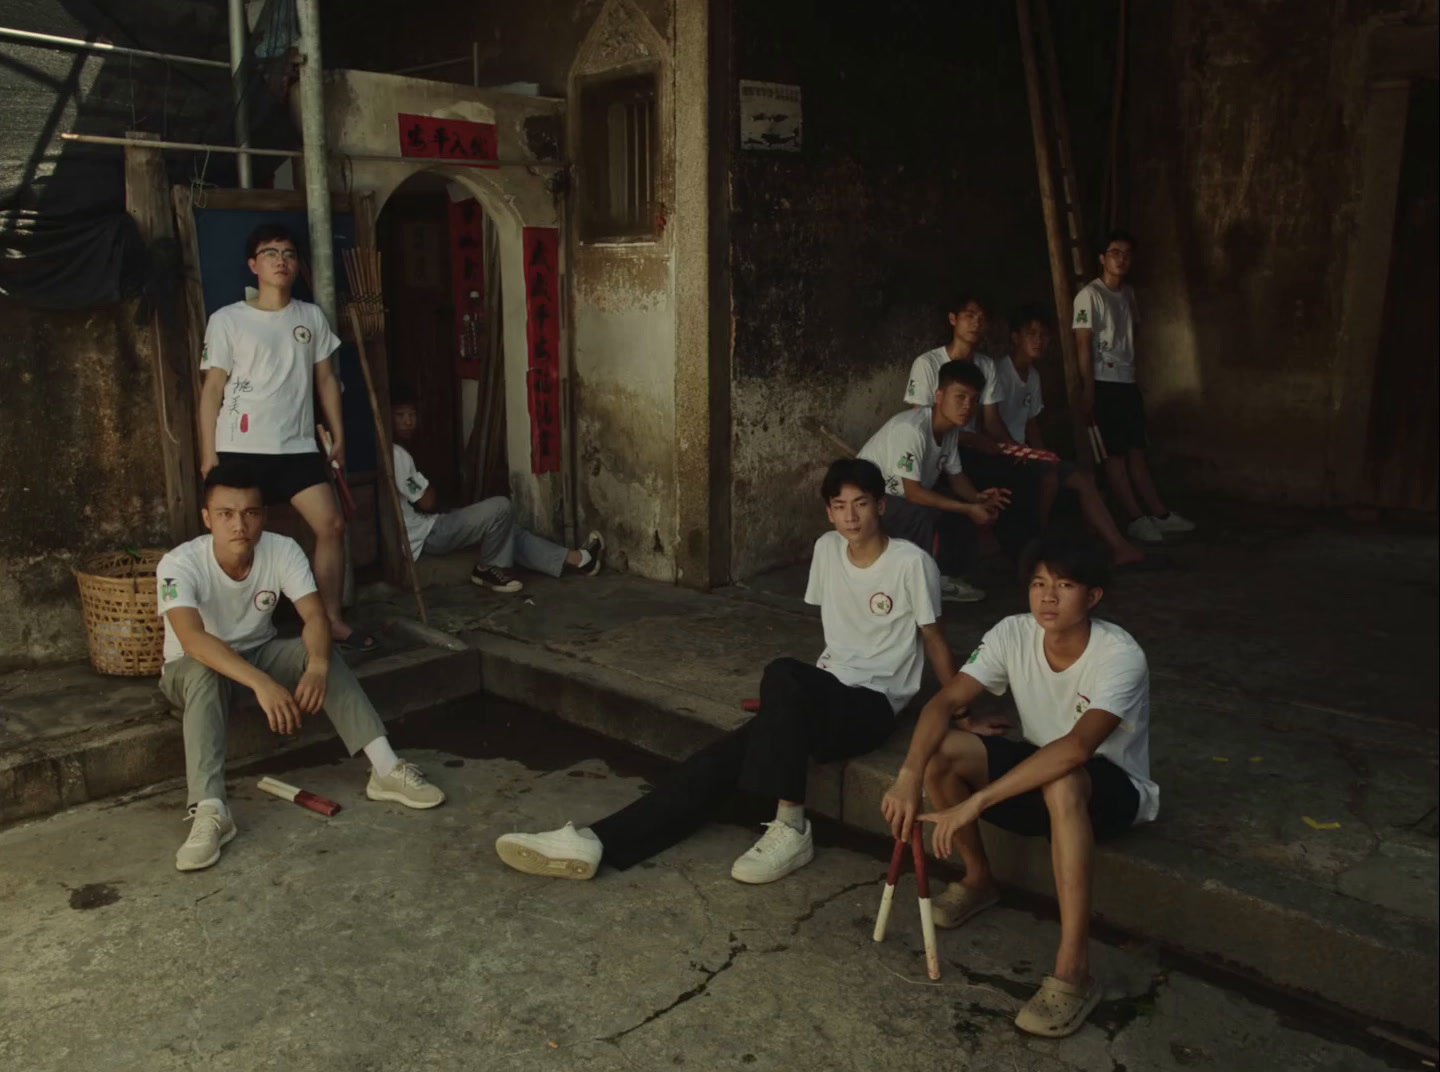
<point x="1144" y="485"/>
<point x="1072" y="853"/>
<point x="960" y="767"/>
<point x="1097" y="515"/>
<point x="1045" y="497"/>
<point x="316" y="505"/>
<point x="1117" y="476"/>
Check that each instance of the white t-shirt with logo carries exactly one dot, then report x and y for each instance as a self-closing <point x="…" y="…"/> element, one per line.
<point x="1112" y="675"/>
<point x="1112" y="316"/>
<point x="925" y="378"/>
<point x="237" y="612"/>
<point x="872" y="616"/>
<point x="905" y="447"/>
<point x="1021" y="402"/>
<point x="412" y="485"/>
<point x="269" y="402"/>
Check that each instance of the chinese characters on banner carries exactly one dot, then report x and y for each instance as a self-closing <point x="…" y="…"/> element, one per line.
<point x="467" y="274"/>
<point x="542" y="331"/>
<point x="456" y="141"/>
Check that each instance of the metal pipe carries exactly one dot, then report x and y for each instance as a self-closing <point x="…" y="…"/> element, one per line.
<point x="436" y="65"/>
<point x="317" y="177"/>
<point x="475" y="63"/>
<point x="104" y="46"/>
<point x="239" y="37"/>
<point x="202" y="147"/>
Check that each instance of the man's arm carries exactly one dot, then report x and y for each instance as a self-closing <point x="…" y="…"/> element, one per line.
<point x="991" y="500"/>
<point x="1084" y="357"/>
<point x="1033" y="438"/>
<point x="212" y="396"/>
<point x="937" y="651"/>
<point x="310" y="691"/>
<point x="919" y="494"/>
<point x="209" y="650"/>
<point x="327" y="386"/>
<point x="977" y="441"/>
<point x="902" y="802"/>
<point x="428" y="503"/>
<point x="995" y="425"/>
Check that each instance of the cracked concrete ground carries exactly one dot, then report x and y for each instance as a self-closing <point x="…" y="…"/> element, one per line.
<point x="389" y="940"/>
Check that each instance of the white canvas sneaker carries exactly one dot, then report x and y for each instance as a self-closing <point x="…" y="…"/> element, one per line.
<point x="780" y="850"/>
<point x="563" y="853"/>
<point x="1174" y="523"/>
<point x="406" y="785"/>
<point x="1144" y="530"/>
<point x="954" y="590"/>
<point x="210" y="829"/>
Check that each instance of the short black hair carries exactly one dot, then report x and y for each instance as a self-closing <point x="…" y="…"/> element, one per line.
<point x="402" y="394"/>
<point x="1071" y="553"/>
<point x="963" y="297"/>
<point x="268" y="232"/>
<point x="1117" y="234"/>
<point x="856" y="472"/>
<point x="1028" y="314"/>
<point x="966" y="372"/>
<point x="238" y="475"/>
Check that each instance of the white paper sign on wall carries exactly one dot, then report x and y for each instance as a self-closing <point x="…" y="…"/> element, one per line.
<point x="769" y="116"/>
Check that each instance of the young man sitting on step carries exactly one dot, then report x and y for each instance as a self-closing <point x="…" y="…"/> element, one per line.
<point x="879" y="602"/>
<point x="217" y="594"/>
<point x="1080" y="775"/>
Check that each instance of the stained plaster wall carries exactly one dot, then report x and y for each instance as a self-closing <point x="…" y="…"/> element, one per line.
<point x="1247" y="135"/>
<point x="917" y="175"/>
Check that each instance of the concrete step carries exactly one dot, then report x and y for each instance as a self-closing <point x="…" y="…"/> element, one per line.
<point x="1305" y="938"/>
<point x="140" y="741"/>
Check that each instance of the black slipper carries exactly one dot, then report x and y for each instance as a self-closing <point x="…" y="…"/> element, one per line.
<point x="358" y="642"/>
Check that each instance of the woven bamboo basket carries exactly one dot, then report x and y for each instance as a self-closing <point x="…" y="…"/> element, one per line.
<point x="117" y="597"/>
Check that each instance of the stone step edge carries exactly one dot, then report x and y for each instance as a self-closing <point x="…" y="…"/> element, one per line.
<point x="1369" y="960"/>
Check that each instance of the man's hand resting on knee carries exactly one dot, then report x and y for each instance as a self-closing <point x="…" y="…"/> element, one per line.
<point x="279" y="706"/>
<point x="310" y="690"/>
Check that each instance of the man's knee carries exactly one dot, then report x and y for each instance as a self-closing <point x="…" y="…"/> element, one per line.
<point x="190" y="682"/>
<point x="330" y="529"/>
<point x="1068" y="795"/>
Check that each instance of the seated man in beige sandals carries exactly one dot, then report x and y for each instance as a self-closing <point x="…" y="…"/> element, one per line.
<point x="1081" y="773"/>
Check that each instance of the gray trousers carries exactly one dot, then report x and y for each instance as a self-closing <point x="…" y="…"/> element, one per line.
<point x="205" y="698"/>
<point x="489" y="526"/>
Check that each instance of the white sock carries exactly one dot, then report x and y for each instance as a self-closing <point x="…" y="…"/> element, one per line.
<point x="585" y="558"/>
<point x="216" y="803"/>
<point x="792" y="815"/>
<point x="381" y="756"/>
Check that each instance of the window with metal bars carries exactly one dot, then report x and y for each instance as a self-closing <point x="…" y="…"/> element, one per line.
<point x="619" y="146"/>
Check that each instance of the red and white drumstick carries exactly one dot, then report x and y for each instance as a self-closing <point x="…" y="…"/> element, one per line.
<point x="1097" y="445"/>
<point x="1029" y="454"/>
<point x="347" y="501"/>
<point x="922" y="880"/>
<point x="882" y="918"/>
<point x="296" y="795"/>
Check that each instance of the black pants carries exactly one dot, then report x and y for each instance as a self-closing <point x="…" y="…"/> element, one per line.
<point x="805" y="712"/>
<point x="921" y="524"/>
<point x="1018" y="523"/>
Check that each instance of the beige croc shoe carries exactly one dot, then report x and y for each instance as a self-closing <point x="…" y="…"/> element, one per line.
<point x="958" y="903"/>
<point x="1058" y="1008"/>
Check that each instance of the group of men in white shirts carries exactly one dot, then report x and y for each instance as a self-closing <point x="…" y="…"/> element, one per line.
<point x="1077" y="771"/>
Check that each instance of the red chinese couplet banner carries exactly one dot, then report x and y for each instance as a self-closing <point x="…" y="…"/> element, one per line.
<point x="456" y="141"/>
<point x="467" y="274"/>
<point x="542" y="330"/>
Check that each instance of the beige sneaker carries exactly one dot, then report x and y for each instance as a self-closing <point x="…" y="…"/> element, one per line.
<point x="958" y="903"/>
<point x="406" y="785"/>
<point x="210" y="829"/>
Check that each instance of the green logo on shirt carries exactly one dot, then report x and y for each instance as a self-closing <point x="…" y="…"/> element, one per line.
<point x="907" y="461"/>
<point x="974" y="655"/>
<point x="168" y="591"/>
<point x="204" y="356"/>
<point x="412" y="485"/>
<point x="1082" y="317"/>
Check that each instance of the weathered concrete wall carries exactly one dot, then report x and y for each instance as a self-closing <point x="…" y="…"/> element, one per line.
<point x="79" y="458"/>
<point x="1247" y="138"/>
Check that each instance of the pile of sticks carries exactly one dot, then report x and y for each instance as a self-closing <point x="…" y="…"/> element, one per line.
<point x="362" y="269"/>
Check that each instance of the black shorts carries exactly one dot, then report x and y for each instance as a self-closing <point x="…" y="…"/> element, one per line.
<point x="282" y="476"/>
<point x="1120" y="416"/>
<point x="1114" y="800"/>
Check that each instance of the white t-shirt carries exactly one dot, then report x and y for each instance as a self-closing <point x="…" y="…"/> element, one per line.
<point x="905" y="447"/>
<point x="1020" y="402"/>
<point x="412" y="485"/>
<point x="269" y="404"/>
<point x="1112" y="675"/>
<point x="237" y="612"/>
<point x="925" y="376"/>
<point x="1112" y="316"/>
<point x="872" y="616"/>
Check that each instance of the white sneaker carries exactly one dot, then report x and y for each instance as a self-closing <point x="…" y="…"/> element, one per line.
<point x="954" y="590"/>
<point x="211" y="829"/>
<point x="406" y="785"/>
<point x="1145" y="530"/>
<point x="563" y="853"/>
<point x="779" y="851"/>
<point x="1173" y="522"/>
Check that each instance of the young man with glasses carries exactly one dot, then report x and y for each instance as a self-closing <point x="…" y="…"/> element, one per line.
<point x="263" y="363"/>
<point x="1104" y="322"/>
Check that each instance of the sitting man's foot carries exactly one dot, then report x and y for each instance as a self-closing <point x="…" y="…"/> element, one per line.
<point x="780" y="850"/>
<point x="955" y="590"/>
<point x="1127" y="554"/>
<point x="495" y="577"/>
<point x="406" y="785"/>
<point x="563" y="853"/>
<point x="212" y="827"/>
<point x="595" y="548"/>
<point x="1058" y="1008"/>
<point x="960" y="902"/>
<point x="352" y="641"/>
<point x="1173" y="523"/>
<point x="1144" y="530"/>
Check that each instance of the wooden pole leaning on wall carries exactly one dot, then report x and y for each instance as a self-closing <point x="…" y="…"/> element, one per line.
<point x="161" y="343"/>
<point x="1060" y="266"/>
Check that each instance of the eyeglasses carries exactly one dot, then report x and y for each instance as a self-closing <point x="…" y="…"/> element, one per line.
<point x="271" y="254"/>
<point x="1114" y="252"/>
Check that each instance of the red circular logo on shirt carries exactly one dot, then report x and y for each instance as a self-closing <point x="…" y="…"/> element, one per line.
<point x="881" y="604"/>
<point x="265" y="601"/>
